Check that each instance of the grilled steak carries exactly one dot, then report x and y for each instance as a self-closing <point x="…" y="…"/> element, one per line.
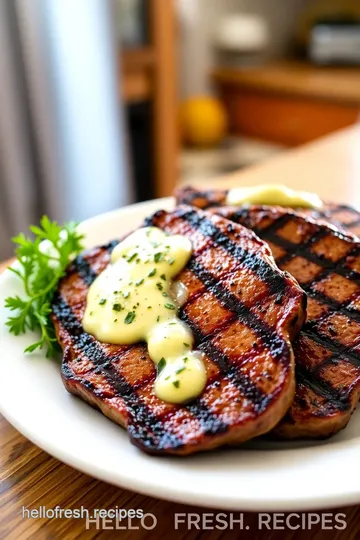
<point x="326" y="263"/>
<point x="243" y="312"/>
<point x="342" y="216"/>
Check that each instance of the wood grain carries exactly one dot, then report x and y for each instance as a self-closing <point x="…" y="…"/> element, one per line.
<point x="148" y="73"/>
<point x="31" y="478"/>
<point x="166" y="143"/>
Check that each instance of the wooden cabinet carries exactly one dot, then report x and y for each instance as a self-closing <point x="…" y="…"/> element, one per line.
<point x="149" y="74"/>
<point x="289" y="104"/>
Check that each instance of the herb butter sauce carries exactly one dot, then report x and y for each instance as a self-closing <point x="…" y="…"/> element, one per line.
<point x="273" y="194"/>
<point x="134" y="300"/>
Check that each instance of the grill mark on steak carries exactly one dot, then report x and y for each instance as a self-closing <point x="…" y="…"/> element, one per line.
<point x="312" y="329"/>
<point x="152" y="431"/>
<point x="273" y="342"/>
<point x="270" y="224"/>
<point x="276" y="346"/>
<point x="255" y="264"/>
<point x="269" y="234"/>
<point x="331" y="344"/>
<point x="211" y="422"/>
<point x="243" y="383"/>
<point x="335" y="398"/>
<point x="341" y="215"/>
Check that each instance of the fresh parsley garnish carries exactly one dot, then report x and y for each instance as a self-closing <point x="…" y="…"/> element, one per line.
<point x="158" y="256"/>
<point x="161" y="364"/>
<point x="41" y="266"/>
<point x="129" y="317"/>
<point x="169" y="306"/>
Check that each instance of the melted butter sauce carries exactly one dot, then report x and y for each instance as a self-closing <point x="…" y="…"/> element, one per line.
<point x="273" y="194"/>
<point x="134" y="300"/>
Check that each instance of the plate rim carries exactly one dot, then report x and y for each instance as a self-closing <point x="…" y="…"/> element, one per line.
<point x="211" y="500"/>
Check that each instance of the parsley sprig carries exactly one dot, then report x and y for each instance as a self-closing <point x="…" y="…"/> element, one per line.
<point x="42" y="261"/>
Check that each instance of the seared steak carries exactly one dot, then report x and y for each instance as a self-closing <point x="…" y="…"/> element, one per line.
<point x="340" y="215"/>
<point x="326" y="263"/>
<point x="243" y="312"/>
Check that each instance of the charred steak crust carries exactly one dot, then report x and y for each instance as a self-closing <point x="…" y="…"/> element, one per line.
<point x="342" y="216"/>
<point x="243" y="312"/>
<point x="326" y="263"/>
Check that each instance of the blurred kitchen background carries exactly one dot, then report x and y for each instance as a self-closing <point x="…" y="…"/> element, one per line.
<point x="104" y="103"/>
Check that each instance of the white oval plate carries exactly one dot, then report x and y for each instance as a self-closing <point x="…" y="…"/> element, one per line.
<point x="257" y="476"/>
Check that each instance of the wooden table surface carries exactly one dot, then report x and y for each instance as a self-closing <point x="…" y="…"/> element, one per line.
<point x="30" y="478"/>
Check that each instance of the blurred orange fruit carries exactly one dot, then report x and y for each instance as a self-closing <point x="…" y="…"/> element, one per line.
<point x="203" y="121"/>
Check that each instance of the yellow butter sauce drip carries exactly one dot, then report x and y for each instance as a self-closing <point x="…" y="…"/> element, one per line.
<point x="273" y="194"/>
<point x="133" y="300"/>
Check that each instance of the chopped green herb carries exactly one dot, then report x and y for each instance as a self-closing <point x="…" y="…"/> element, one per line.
<point x="167" y="378"/>
<point x="169" y="306"/>
<point x="117" y="307"/>
<point x="91" y="313"/>
<point x="165" y="294"/>
<point x="129" y="317"/>
<point x="163" y="277"/>
<point x="171" y="261"/>
<point x="176" y="383"/>
<point x="161" y="364"/>
<point x="158" y="318"/>
<point x="159" y="286"/>
<point x="126" y="294"/>
<point x="185" y="359"/>
<point x="158" y="256"/>
<point x="186" y="344"/>
<point x="139" y="281"/>
<point x="180" y="370"/>
<point x="115" y="320"/>
<point x="132" y="257"/>
<point x="149" y="307"/>
<point x="152" y="272"/>
<point x="102" y="301"/>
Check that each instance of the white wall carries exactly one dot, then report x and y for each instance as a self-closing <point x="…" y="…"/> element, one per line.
<point x="198" y="19"/>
